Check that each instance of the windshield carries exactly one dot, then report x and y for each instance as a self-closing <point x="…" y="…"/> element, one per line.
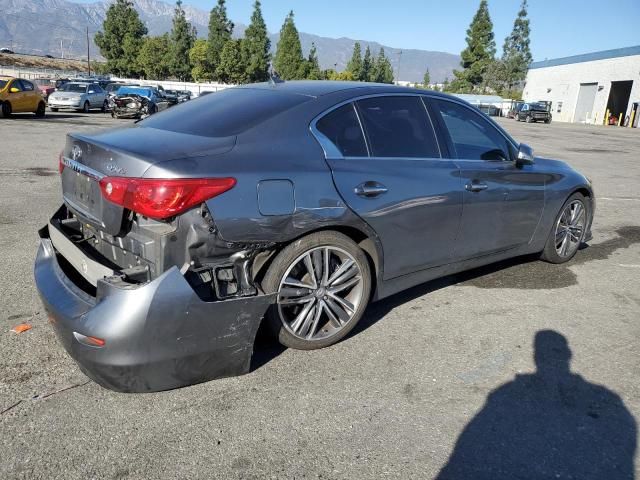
<point x="74" y="87"/>
<point x="225" y="113"/>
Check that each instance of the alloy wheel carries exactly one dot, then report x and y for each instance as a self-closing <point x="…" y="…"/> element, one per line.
<point x="570" y="228"/>
<point x="320" y="293"/>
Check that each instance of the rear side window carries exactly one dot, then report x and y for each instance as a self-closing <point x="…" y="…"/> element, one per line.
<point x="398" y="127"/>
<point x="229" y="112"/>
<point x="27" y="86"/>
<point x="342" y="128"/>
<point x="472" y="135"/>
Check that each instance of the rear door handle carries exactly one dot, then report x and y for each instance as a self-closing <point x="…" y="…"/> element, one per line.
<point x="476" y="186"/>
<point x="370" y="189"/>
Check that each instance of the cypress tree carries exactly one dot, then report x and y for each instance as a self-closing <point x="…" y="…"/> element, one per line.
<point x="355" y="64"/>
<point x="220" y="29"/>
<point x="426" y="80"/>
<point x="183" y="36"/>
<point x="382" y="70"/>
<point x="256" y="46"/>
<point x="288" y="61"/>
<point x="121" y="38"/>
<point x="516" y="54"/>
<point x="313" y="65"/>
<point x="480" y="51"/>
<point x="367" y="66"/>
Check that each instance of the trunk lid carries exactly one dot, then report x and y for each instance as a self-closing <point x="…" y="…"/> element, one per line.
<point x="122" y="153"/>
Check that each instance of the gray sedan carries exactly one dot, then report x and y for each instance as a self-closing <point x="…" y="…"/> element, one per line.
<point x="296" y="202"/>
<point x="78" y="96"/>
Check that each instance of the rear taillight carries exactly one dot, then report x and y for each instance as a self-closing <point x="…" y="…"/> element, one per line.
<point x="162" y="198"/>
<point x="60" y="163"/>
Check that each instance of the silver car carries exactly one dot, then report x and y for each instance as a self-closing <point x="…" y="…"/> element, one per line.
<point x="79" y="96"/>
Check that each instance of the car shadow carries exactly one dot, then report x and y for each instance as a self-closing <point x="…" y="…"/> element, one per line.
<point x="526" y="272"/>
<point x="551" y="423"/>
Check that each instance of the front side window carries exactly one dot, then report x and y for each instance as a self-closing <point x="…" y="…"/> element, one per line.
<point x="342" y="128"/>
<point x="398" y="126"/>
<point x="17" y="84"/>
<point x="472" y="135"/>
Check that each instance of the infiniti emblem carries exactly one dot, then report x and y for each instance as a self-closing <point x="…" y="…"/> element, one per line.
<point x="76" y="153"/>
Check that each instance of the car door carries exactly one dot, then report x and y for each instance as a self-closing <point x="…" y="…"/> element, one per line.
<point x="387" y="166"/>
<point x="502" y="202"/>
<point x="17" y="99"/>
<point x="32" y="96"/>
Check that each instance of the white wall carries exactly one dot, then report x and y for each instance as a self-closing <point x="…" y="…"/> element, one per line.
<point x="561" y="83"/>
<point x="194" y="88"/>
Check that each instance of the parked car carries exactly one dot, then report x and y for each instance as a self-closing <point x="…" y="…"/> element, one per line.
<point x="46" y="86"/>
<point x="18" y="95"/>
<point x="301" y="202"/>
<point x="183" y="95"/>
<point x="172" y="97"/>
<point x="137" y="102"/>
<point x="6" y="50"/>
<point x="515" y="108"/>
<point x="534" y="112"/>
<point x="79" y="96"/>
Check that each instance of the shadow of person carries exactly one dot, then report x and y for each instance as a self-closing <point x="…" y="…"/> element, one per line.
<point x="551" y="424"/>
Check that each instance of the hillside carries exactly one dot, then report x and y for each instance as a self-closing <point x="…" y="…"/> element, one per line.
<point x="57" y="27"/>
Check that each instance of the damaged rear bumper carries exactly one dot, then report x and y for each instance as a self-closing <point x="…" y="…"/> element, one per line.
<point x="157" y="336"/>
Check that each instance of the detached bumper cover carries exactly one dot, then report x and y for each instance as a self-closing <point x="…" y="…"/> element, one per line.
<point x="158" y="336"/>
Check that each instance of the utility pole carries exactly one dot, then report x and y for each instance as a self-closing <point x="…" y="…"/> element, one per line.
<point x="399" y="60"/>
<point x="88" y="57"/>
<point x="61" y="50"/>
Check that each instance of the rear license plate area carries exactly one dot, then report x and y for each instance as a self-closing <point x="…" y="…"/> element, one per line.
<point x="83" y="187"/>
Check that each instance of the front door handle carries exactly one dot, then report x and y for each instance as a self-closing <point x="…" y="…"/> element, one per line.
<point x="370" y="189"/>
<point x="476" y="186"/>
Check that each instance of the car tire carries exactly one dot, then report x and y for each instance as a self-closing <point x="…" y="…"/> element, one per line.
<point x="41" y="110"/>
<point x="528" y="119"/>
<point x="105" y="107"/>
<point x="553" y="249"/>
<point x="6" y="109"/>
<point x="334" y="320"/>
<point x="86" y="108"/>
<point x="53" y="109"/>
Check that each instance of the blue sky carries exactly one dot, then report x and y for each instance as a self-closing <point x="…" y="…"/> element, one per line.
<point x="559" y="27"/>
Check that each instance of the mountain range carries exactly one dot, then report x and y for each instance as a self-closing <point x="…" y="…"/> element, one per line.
<point x="58" y="28"/>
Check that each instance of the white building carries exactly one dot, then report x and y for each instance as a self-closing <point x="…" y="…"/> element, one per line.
<point x="583" y="88"/>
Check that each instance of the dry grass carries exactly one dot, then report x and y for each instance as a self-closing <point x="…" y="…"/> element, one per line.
<point x="32" y="61"/>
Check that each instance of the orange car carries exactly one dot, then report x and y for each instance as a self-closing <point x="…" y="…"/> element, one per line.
<point x="19" y="95"/>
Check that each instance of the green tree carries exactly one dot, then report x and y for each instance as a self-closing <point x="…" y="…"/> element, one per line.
<point x="426" y="80"/>
<point x="367" y="66"/>
<point x="220" y="30"/>
<point x="154" y="57"/>
<point x="232" y="67"/>
<point x="355" y="64"/>
<point x="516" y="52"/>
<point x="256" y="47"/>
<point x="479" y="53"/>
<point x="382" y="70"/>
<point x="183" y="36"/>
<point x="288" y="61"/>
<point x="313" y="65"/>
<point x="121" y="38"/>
<point x="200" y="70"/>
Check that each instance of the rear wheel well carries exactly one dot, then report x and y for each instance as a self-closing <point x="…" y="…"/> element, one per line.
<point x="362" y="239"/>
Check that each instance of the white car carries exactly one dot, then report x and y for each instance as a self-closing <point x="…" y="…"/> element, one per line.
<point x="79" y="96"/>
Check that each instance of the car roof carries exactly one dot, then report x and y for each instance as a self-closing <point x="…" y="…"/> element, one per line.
<point x="317" y="88"/>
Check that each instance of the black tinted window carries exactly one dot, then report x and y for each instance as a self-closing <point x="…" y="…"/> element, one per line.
<point x="398" y="127"/>
<point x="225" y="113"/>
<point x="26" y="86"/>
<point x="341" y="126"/>
<point x="473" y="136"/>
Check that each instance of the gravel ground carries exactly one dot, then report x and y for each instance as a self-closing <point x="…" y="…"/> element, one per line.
<point x="442" y="374"/>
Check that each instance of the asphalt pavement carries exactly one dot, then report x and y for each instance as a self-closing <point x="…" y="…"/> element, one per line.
<point x="440" y="376"/>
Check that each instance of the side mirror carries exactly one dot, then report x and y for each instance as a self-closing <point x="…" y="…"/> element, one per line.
<point x="14" y="90"/>
<point x="525" y="155"/>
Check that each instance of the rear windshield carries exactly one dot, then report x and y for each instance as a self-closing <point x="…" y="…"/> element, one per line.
<point x="74" y="87"/>
<point x="225" y="113"/>
<point x="538" y="106"/>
